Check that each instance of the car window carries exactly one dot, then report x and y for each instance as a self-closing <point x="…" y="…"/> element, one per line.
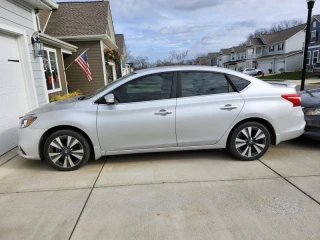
<point x="239" y="83"/>
<point x="203" y="83"/>
<point x="149" y="88"/>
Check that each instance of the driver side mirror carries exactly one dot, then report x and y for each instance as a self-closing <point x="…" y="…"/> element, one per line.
<point x="109" y="98"/>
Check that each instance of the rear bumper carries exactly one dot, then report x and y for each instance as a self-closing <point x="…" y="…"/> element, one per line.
<point x="290" y="127"/>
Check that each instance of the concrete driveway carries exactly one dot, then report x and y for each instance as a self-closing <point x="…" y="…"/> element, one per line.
<point x="181" y="195"/>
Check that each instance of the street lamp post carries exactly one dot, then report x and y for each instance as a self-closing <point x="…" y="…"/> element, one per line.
<point x="306" y="43"/>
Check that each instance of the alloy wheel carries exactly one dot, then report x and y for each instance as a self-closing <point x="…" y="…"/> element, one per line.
<point x="66" y="151"/>
<point x="250" y="142"/>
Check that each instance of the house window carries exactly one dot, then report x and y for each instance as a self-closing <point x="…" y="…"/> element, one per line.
<point x="314" y="24"/>
<point x="315" y="57"/>
<point x="271" y="48"/>
<point x="308" y="58"/>
<point x="51" y="70"/>
<point x="314" y="36"/>
<point x="280" y="47"/>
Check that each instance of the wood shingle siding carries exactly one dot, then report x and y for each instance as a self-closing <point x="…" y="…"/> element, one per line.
<point x="76" y="78"/>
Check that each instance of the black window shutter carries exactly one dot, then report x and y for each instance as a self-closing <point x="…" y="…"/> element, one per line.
<point x="317" y="33"/>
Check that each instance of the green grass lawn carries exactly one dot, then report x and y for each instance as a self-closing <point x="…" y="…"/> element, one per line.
<point x="287" y="76"/>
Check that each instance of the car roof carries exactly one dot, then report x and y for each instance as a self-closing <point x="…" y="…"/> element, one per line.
<point x="194" y="68"/>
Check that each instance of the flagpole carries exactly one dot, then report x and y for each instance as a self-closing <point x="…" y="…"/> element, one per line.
<point x="76" y="59"/>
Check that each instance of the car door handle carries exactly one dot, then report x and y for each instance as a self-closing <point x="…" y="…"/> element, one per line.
<point x="162" y="112"/>
<point x="228" y="107"/>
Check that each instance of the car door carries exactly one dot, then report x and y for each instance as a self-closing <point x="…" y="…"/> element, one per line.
<point x="143" y="116"/>
<point x="207" y="105"/>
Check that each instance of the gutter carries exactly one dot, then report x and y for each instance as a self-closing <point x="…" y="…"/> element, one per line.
<point x="89" y="38"/>
<point x="57" y="43"/>
<point x="50" y="3"/>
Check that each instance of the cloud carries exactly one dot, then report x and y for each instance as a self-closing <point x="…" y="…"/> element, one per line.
<point x="195" y="5"/>
<point x="152" y="28"/>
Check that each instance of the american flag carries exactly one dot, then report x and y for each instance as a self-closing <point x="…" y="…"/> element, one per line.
<point x="82" y="61"/>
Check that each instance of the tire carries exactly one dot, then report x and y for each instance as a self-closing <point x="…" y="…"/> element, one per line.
<point x="259" y="73"/>
<point x="249" y="141"/>
<point x="66" y="150"/>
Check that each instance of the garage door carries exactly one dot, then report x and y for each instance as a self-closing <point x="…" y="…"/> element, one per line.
<point x="279" y="65"/>
<point x="13" y="98"/>
<point x="265" y="66"/>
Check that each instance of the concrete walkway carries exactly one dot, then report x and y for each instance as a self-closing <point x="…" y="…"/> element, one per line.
<point x="181" y="195"/>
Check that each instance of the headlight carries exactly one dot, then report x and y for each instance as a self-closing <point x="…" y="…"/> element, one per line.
<point x="312" y="111"/>
<point x="27" y="121"/>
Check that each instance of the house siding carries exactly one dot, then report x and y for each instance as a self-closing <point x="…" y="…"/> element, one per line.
<point x="294" y="62"/>
<point x="76" y="77"/>
<point x="295" y="42"/>
<point x="43" y="18"/>
<point x="14" y="14"/>
<point x="275" y="52"/>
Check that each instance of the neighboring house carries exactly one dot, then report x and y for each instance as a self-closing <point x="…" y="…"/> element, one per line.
<point x="224" y="57"/>
<point x="88" y="26"/>
<point x="212" y="58"/>
<point x="278" y="52"/>
<point x="314" y="45"/>
<point x="123" y="69"/>
<point x="22" y="82"/>
<point x="237" y="58"/>
<point x="202" y="60"/>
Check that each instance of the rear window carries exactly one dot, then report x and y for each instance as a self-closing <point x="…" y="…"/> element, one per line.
<point x="239" y="83"/>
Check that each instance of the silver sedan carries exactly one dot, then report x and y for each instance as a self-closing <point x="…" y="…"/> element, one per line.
<point x="164" y="109"/>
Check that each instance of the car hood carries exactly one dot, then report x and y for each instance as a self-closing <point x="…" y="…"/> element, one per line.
<point x="58" y="105"/>
<point x="310" y="98"/>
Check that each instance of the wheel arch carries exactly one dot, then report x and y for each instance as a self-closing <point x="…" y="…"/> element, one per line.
<point x="262" y="121"/>
<point x="45" y="136"/>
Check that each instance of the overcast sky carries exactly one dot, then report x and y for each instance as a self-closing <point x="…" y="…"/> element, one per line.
<point x="153" y="28"/>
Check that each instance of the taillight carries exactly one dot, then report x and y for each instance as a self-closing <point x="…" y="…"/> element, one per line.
<point x="294" y="98"/>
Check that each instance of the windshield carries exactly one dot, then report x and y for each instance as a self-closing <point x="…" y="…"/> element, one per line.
<point x="107" y="86"/>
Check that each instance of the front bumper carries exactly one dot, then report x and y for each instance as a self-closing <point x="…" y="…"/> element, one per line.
<point x="29" y="140"/>
<point x="312" y="129"/>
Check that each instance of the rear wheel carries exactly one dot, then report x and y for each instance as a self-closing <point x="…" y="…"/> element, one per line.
<point x="66" y="150"/>
<point x="259" y="73"/>
<point x="249" y="141"/>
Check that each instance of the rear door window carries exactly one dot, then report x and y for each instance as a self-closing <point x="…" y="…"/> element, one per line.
<point x="203" y="83"/>
<point x="238" y="82"/>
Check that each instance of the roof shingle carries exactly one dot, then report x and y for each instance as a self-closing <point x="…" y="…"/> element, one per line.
<point x="79" y="18"/>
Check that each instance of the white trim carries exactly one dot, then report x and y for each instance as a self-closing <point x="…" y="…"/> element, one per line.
<point x="317" y="46"/>
<point x="315" y="36"/>
<point x="25" y="63"/>
<point x="46" y="22"/>
<point x="309" y="54"/>
<point x="41" y="62"/>
<point x="90" y="37"/>
<point x="57" y="42"/>
<point x="113" y="70"/>
<point x="103" y="63"/>
<point x="56" y="89"/>
<point x="66" y="51"/>
<point x="64" y="72"/>
<point x="316" y="51"/>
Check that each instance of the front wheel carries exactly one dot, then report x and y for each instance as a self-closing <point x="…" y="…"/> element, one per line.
<point x="249" y="141"/>
<point x="66" y="150"/>
<point x="259" y="73"/>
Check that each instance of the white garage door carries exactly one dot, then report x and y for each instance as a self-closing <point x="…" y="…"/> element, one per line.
<point x="279" y="65"/>
<point x="265" y="66"/>
<point x="13" y="98"/>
